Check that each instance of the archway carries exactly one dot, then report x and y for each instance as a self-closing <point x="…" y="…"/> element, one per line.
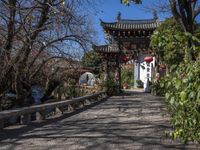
<point x="128" y="38"/>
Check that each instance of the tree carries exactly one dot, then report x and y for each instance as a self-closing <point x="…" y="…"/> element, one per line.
<point x="169" y="42"/>
<point x="92" y="59"/>
<point x="35" y="32"/>
<point x="185" y="12"/>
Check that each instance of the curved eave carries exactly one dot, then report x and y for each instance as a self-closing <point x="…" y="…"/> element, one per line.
<point x="114" y="49"/>
<point x="106" y="49"/>
<point x="149" y="25"/>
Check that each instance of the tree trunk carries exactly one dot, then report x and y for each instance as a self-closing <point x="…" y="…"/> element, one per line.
<point x="20" y="95"/>
<point x="51" y="86"/>
<point x="184" y="14"/>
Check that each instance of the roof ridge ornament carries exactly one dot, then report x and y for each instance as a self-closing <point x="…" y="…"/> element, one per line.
<point x="155" y="15"/>
<point x="118" y="18"/>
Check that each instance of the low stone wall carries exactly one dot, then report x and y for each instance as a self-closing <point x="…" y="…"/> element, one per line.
<point x="42" y="111"/>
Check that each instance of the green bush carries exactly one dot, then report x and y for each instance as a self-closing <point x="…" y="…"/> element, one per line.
<point x="159" y="87"/>
<point x="182" y="93"/>
<point x="109" y="86"/>
<point x="127" y="76"/>
<point x="139" y="83"/>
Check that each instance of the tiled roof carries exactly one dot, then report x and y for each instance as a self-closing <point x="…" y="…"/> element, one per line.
<point x="113" y="48"/>
<point x="132" y="24"/>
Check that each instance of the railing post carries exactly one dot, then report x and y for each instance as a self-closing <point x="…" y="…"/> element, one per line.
<point x="59" y="111"/>
<point x="99" y="98"/>
<point x="40" y="115"/>
<point x="1" y="124"/>
<point x="25" y="119"/>
<point x="87" y="102"/>
<point x="1" y="120"/>
<point x="70" y="108"/>
<point x="81" y="105"/>
<point x="91" y="100"/>
<point x="104" y="95"/>
<point x="94" y="99"/>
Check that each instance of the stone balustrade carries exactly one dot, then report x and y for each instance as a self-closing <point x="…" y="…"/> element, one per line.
<point x="42" y="111"/>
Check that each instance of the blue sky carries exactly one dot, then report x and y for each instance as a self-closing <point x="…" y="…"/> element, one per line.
<point x="108" y="10"/>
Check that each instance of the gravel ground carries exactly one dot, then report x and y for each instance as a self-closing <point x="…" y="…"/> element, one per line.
<point x="135" y="121"/>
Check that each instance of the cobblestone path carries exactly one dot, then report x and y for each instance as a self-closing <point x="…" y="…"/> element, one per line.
<point x="135" y="121"/>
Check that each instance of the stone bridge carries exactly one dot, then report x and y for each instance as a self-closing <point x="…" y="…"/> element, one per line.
<point x="134" y="121"/>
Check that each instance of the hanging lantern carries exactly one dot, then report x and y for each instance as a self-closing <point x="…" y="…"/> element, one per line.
<point x="148" y="59"/>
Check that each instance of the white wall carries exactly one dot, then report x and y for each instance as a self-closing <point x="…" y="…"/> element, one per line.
<point x="144" y="69"/>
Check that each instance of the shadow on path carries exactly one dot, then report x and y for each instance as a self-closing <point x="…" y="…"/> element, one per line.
<point x="134" y="120"/>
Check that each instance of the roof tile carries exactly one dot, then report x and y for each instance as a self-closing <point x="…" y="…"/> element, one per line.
<point x="132" y="24"/>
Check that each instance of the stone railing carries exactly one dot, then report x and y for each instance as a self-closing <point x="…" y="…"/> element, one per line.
<point x="43" y="111"/>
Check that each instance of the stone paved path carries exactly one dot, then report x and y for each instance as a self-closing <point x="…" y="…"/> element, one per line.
<point x="131" y="122"/>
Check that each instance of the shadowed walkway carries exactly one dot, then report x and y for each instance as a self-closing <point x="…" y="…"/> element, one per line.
<point x="133" y="121"/>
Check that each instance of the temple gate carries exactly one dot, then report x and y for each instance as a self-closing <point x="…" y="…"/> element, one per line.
<point x="128" y="43"/>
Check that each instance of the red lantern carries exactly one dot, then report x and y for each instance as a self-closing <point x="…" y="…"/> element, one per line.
<point x="148" y="59"/>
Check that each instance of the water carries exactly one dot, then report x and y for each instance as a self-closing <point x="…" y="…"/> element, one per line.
<point x="37" y="94"/>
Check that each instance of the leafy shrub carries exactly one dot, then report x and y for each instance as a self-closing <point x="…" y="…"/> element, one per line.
<point x="109" y="86"/>
<point x="182" y="90"/>
<point x="169" y="42"/>
<point x="159" y="87"/>
<point x="127" y="76"/>
<point x="139" y="83"/>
